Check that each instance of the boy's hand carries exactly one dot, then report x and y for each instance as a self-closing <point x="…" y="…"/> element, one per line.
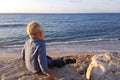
<point x="23" y="62"/>
<point x="50" y="76"/>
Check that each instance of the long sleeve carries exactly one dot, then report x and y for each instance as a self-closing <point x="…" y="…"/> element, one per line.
<point x="23" y="53"/>
<point x="42" y="59"/>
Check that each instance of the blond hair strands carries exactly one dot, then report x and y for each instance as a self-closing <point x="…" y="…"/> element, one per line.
<point x="33" y="28"/>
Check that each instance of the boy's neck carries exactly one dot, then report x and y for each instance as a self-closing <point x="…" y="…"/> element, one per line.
<point x="36" y="38"/>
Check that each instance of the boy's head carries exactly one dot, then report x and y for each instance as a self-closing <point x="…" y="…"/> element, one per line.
<point x="35" y="30"/>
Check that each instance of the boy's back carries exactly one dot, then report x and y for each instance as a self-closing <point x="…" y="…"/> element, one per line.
<point x="35" y="55"/>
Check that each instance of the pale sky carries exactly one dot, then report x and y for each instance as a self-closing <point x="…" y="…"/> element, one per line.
<point x="59" y="6"/>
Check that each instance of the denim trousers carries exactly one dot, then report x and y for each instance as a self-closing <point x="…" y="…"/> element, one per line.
<point x="57" y="62"/>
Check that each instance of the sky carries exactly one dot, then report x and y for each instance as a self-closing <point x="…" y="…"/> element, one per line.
<point x="59" y="6"/>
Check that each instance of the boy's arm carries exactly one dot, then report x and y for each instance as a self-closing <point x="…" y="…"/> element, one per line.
<point x="43" y="62"/>
<point x="42" y="59"/>
<point x="23" y="53"/>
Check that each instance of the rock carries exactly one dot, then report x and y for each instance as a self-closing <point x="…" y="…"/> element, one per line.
<point x="104" y="67"/>
<point x="110" y="76"/>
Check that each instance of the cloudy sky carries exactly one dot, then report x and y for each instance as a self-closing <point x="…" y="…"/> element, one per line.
<point x="59" y="6"/>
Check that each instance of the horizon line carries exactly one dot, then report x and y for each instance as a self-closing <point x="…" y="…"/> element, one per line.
<point x="57" y="13"/>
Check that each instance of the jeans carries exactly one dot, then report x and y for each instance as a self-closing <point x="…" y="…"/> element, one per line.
<point x="55" y="62"/>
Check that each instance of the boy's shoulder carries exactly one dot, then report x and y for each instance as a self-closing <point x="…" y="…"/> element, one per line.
<point x="36" y="42"/>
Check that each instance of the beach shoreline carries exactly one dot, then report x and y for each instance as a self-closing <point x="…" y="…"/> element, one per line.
<point x="70" y="48"/>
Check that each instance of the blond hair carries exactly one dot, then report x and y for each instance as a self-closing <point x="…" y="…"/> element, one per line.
<point x="33" y="28"/>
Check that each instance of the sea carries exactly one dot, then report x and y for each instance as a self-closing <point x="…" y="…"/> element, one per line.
<point x="64" y="32"/>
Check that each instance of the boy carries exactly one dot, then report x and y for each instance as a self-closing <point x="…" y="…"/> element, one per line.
<point x="34" y="52"/>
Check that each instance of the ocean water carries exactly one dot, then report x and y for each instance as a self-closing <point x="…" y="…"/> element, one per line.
<point x="64" y="33"/>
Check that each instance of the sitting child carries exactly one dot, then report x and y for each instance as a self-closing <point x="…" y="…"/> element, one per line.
<point x="34" y="52"/>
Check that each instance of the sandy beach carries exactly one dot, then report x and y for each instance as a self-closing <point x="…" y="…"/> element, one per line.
<point x="19" y="72"/>
<point x="13" y="68"/>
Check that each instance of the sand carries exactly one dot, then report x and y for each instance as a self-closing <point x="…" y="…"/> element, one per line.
<point x="14" y="69"/>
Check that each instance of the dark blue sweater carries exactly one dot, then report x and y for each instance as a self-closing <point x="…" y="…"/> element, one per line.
<point x="34" y="54"/>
